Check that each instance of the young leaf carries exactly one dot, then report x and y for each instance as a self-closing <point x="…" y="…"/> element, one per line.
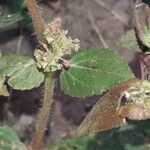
<point x="10" y="19"/>
<point x="94" y="71"/>
<point x="129" y="40"/>
<point x="21" y="72"/>
<point x="9" y="139"/>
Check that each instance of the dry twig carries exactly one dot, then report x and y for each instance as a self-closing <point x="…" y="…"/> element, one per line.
<point x="97" y="30"/>
<point x="114" y="13"/>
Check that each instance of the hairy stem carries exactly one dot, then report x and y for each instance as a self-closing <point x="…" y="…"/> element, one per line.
<point x="36" y="19"/>
<point x="44" y="113"/>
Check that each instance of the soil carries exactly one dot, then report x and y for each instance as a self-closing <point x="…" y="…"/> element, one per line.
<point x="81" y="17"/>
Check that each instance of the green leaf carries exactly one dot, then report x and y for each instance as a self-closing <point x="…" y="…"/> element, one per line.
<point x="10" y="19"/>
<point x="21" y="72"/>
<point x="94" y="71"/>
<point x="9" y="139"/>
<point x="146" y="37"/>
<point x="129" y="41"/>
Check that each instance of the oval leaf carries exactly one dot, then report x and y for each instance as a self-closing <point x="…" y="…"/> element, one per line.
<point x="21" y="71"/>
<point x="94" y="71"/>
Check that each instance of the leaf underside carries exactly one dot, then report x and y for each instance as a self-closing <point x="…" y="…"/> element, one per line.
<point x="94" y="71"/>
<point x="105" y="114"/>
<point x="21" y="72"/>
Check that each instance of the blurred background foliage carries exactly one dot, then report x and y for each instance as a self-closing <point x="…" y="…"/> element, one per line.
<point x="132" y="136"/>
<point x="12" y="12"/>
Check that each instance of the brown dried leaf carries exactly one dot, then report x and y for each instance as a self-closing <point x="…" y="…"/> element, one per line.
<point x="136" y="111"/>
<point x="104" y="114"/>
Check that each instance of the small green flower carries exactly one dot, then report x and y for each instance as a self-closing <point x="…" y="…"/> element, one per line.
<point x="46" y="61"/>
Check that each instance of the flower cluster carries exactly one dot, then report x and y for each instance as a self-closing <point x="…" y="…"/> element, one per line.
<point x="57" y="38"/>
<point x="60" y="44"/>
